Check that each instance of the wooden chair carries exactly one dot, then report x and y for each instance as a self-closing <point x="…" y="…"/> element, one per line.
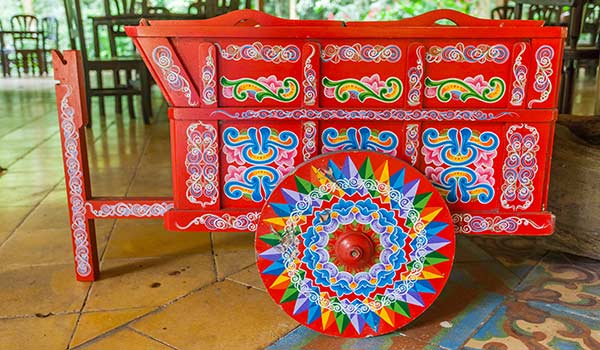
<point x="5" y="51"/>
<point x="50" y="32"/>
<point x="550" y="14"/>
<point x="158" y="10"/>
<point x="129" y="65"/>
<point x="28" y="44"/>
<point x="503" y="12"/>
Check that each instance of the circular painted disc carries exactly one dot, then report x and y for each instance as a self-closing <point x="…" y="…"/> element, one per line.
<point x="355" y="244"/>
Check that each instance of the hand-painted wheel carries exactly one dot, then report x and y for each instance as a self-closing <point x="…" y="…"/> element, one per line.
<point x="355" y="244"/>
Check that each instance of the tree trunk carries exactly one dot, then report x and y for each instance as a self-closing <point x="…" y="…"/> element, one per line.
<point x="575" y="187"/>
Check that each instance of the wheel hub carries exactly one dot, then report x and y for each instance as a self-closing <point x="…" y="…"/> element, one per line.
<point x="355" y="250"/>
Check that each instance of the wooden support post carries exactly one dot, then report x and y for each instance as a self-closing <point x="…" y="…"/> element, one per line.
<point x="72" y="115"/>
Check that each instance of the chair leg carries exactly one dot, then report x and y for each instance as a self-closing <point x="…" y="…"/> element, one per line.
<point x="130" y="104"/>
<point x="118" y="99"/>
<point x="146" y="95"/>
<point x="569" y="80"/>
<point x="100" y="86"/>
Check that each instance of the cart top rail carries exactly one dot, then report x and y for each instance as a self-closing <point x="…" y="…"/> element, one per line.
<point x="251" y="23"/>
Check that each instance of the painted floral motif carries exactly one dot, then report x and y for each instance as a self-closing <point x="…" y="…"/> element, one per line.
<point x="412" y="142"/>
<point x="285" y="90"/>
<point x="366" y="114"/>
<point x="216" y="222"/>
<point x="209" y="95"/>
<point x="361" y="53"/>
<point x="310" y="80"/>
<point x="481" y="53"/>
<point x="75" y="181"/>
<point x="542" y="83"/>
<point x="415" y="75"/>
<point x="258" y="158"/>
<point x="300" y="265"/>
<point x="453" y="89"/>
<point x="201" y="164"/>
<point x="257" y="51"/>
<point x="163" y="57"/>
<point x="364" y="138"/>
<point x="476" y="224"/>
<point x="520" y="167"/>
<point x="309" y="142"/>
<point x="461" y="163"/>
<point x="123" y="209"/>
<point x="520" y="78"/>
<point x="372" y="87"/>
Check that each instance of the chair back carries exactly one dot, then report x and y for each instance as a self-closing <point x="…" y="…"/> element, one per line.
<point x="25" y="34"/>
<point x="124" y="7"/>
<point x="157" y="10"/>
<point x="550" y="14"/>
<point x="591" y="24"/>
<point x="50" y="30"/>
<point x="503" y="12"/>
<point x="75" y="28"/>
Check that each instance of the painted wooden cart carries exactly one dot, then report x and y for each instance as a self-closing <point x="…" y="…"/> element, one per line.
<point x="354" y="150"/>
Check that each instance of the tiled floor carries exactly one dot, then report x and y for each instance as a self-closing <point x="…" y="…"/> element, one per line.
<point x="165" y="290"/>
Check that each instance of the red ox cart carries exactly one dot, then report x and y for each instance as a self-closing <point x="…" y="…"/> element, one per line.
<point x="356" y="151"/>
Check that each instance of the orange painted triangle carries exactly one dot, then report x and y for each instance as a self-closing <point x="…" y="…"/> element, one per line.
<point x="282" y="282"/>
<point x="389" y="316"/>
<point x="430" y="272"/>
<point x="382" y="174"/>
<point x="276" y="221"/>
<point x="428" y="214"/>
<point x="327" y="318"/>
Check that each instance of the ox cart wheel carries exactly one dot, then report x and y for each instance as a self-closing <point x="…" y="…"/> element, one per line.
<point x="355" y="244"/>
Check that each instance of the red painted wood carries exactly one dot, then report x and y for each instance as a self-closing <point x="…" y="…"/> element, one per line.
<point x="127" y="208"/>
<point x="493" y="82"/>
<point x="72" y="116"/>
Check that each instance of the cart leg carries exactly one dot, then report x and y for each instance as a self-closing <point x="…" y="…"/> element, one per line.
<point x="72" y="115"/>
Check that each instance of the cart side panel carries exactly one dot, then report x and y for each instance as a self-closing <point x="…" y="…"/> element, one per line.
<point x="169" y="71"/>
<point x="254" y="158"/>
<point x="468" y="73"/>
<point x="363" y="73"/>
<point x="524" y="166"/>
<point x="196" y="164"/>
<point x="464" y="161"/>
<point x="544" y="73"/>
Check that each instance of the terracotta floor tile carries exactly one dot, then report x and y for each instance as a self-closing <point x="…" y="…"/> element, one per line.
<point x="51" y="332"/>
<point x="22" y="196"/>
<point x="36" y="247"/>
<point x="231" y="262"/>
<point x="52" y="213"/>
<point x="149" y="238"/>
<point x="224" y="315"/>
<point x="94" y="324"/>
<point x="125" y="339"/>
<point x="248" y="277"/>
<point x="234" y="251"/>
<point x="129" y="283"/>
<point x="40" y="290"/>
<point x="233" y="241"/>
<point x="10" y="217"/>
<point x="32" y="177"/>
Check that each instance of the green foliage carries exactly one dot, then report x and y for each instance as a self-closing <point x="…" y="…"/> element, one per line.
<point x="375" y="9"/>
